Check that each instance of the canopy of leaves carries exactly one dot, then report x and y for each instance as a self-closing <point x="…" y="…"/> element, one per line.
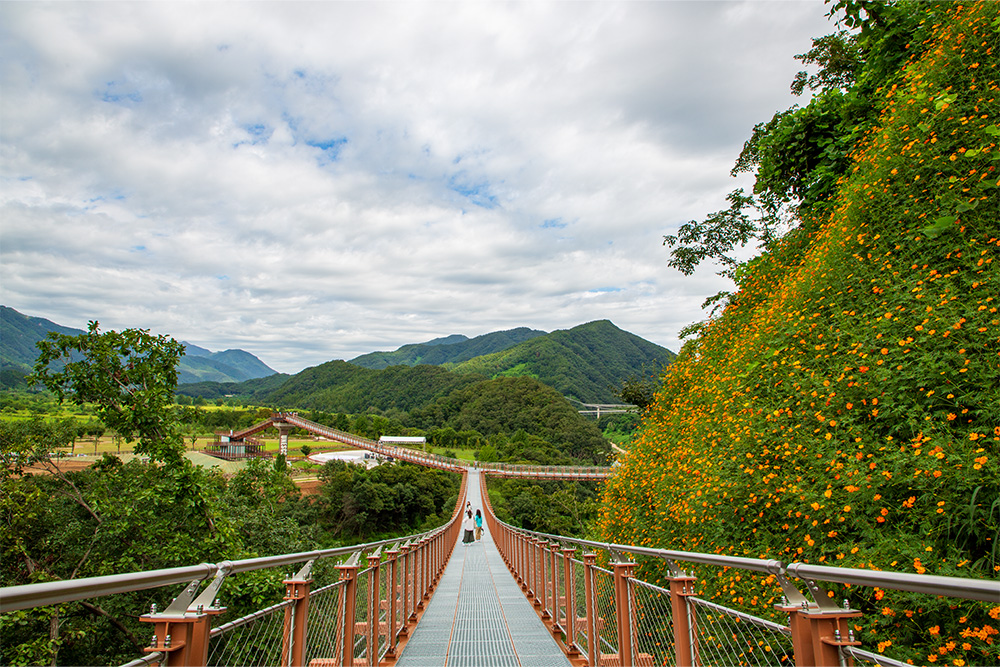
<point x="129" y="377"/>
<point x="342" y="387"/>
<point x="524" y="406"/>
<point x="799" y="156"/>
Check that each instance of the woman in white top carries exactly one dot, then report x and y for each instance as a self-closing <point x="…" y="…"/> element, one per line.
<point x="469" y="524"/>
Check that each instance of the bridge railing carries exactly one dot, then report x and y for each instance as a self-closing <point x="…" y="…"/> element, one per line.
<point x="345" y="606"/>
<point x="608" y="616"/>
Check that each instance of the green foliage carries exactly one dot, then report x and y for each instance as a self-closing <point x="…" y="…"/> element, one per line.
<point x="390" y="498"/>
<point x="536" y="422"/>
<point x="343" y="387"/>
<point x="799" y="156"/>
<point x="453" y="349"/>
<point x="128" y="376"/>
<point x="844" y="408"/>
<point x="558" y="508"/>
<point x="585" y="363"/>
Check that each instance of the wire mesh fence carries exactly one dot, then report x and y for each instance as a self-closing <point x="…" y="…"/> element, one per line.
<point x="324" y="639"/>
<point x="382" y="613"/>
<point x="607" y="618"/>
<point x="580" y="606"/>
<point x="360" y="639"/>
<point x="254" y="640"/>
<point x="652" y="624"/>
<point x="562" y="593"/>
<point x="862" y="658"/>
<point x="724" y="636"/>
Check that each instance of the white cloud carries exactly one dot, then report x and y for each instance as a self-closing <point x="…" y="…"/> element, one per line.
<point x="311" y="181"/>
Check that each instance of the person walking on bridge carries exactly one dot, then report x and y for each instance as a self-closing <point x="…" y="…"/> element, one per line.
<point x="479" y="525"/>
<point x="468" y="524"/>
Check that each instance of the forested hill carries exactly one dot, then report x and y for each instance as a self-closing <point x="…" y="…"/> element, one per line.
<point x="338" y="386"/>
<point x="587" y="363"/>
<point x="845" y="407"/>
<point x="451" y="349"/>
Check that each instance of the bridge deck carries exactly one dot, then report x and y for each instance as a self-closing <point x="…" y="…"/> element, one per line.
<point x="478" y="615"/>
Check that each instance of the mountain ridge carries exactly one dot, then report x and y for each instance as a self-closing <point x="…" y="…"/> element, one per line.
<point x="20" y="332"/>
<point x="455" y="348"/>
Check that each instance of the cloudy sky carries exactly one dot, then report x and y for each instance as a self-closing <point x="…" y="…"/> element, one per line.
<point x="316" y="180"/>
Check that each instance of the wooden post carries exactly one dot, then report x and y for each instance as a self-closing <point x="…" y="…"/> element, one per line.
<point x="349" y="573"/>
<point x="623" y="609"/>
<point x="374" y="598"/>
<point x="593" y="640"/>
<point x="293" y="647"/>
<point x="680" y="589"/>
<point x="817" y="635"/>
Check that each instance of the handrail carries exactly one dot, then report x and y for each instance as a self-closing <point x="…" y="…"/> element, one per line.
<point x="986" y="590"/>
<point x="819" y="632"/>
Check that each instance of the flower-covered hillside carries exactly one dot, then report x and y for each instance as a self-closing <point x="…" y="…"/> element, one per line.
<point x="845" y="408"/>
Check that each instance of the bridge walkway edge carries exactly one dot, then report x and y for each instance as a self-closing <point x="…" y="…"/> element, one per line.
<point x="478" y="616"/>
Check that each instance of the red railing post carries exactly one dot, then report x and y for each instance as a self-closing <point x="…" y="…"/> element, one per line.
<point x="423" y="555"/>
<point x="685" y="639"/>
<point x="348" y="593"/>
<point x="293" y="647"/>
<point x="175" y="637"/>
<point x="181" y="633"/>
<point x="623" y="609"/>
<point x="554" y="586"/>
<point x="818" y="634"/>
<point x="593" y="640"/>
<point x="419" y="576"/>
<point x="374" y="598"/>
<point x="537" y="583"/>
<point x="543" y="583"/>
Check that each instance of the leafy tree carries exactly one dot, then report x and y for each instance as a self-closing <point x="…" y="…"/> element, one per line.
<point x="129" y="376"/>
<point x="799" y="155"/>
<point x="844" y="408"/>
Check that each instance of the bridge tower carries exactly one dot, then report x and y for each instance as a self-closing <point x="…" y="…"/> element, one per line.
<point x="283" y="430"/>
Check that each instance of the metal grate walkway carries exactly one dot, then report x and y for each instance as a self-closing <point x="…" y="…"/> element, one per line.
<point x="478" y="616"/>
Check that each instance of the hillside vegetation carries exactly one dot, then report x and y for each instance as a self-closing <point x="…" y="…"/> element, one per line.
<point x="338" y="386"/>
<point x="450" y="349"/>
<point x="587" y="363"/>
<point x="845" y="407"/>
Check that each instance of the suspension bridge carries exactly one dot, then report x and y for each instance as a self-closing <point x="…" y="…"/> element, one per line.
<point x="515" y="597"/>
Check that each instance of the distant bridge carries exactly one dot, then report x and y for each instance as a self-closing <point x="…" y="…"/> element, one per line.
<point x="606" y="408"/>
<point x="285" y="421"/>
